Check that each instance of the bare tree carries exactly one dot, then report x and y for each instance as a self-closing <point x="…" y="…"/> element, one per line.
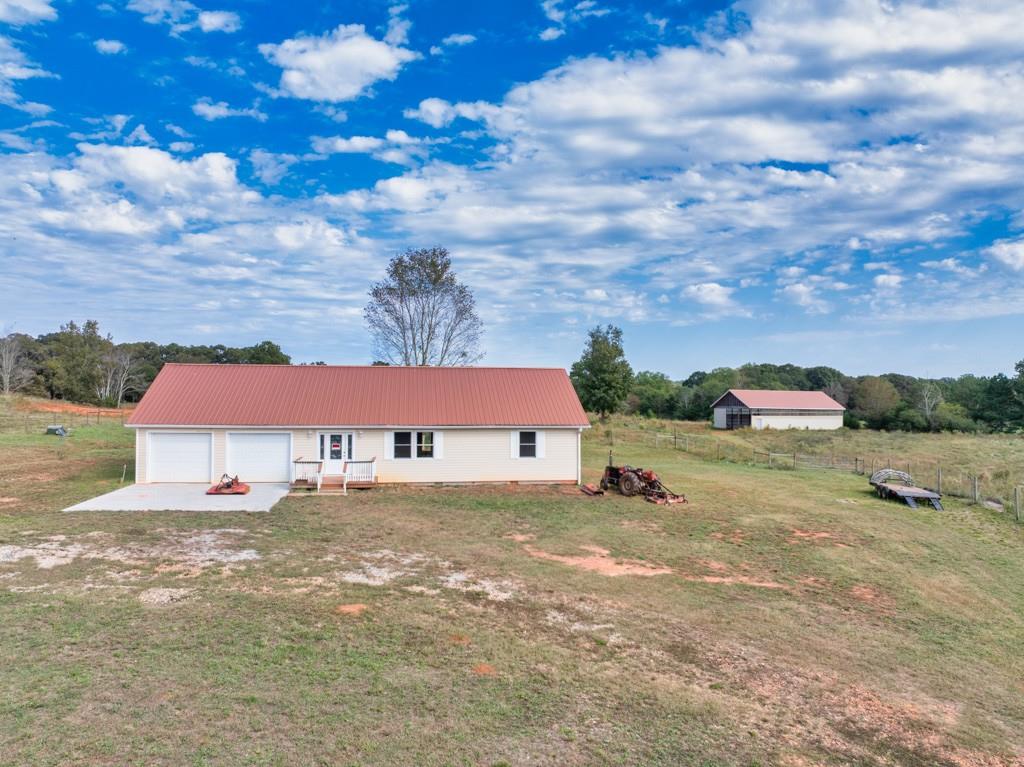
<point x="931" y="398"/>
<point x="116" y="375"/>
<point x="835" y="389"/>
<point x="14" y="369"/>
<point x="421" y="315"/>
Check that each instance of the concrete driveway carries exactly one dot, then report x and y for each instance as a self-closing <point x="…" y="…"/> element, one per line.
<point x="173" y="496"/>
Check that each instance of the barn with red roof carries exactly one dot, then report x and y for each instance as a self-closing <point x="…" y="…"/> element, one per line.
<point x="321" y="424"/>
<point x="767" y="409"/>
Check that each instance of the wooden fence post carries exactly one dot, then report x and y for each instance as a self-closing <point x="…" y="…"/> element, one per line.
<point x="976" y="497"/>
<point x="794" y="460"/>
<point x="1016" y="503"/>
<point x="769" y="459"/>
<point x="718" y="451"/>
<point x="938" y="478"/>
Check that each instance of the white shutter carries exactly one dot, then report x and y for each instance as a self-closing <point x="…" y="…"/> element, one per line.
<point x="514" y="439"/>
<point x="389" y="445"/>
<point x="438" y="444"/>
<point x="540" y="444"/>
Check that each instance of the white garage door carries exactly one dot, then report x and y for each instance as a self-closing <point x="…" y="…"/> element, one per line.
<point x="263" y="457"/>
<point x="180" y="457"/>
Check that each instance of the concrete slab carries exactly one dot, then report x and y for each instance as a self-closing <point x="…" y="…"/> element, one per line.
<point x="173" y="496"/>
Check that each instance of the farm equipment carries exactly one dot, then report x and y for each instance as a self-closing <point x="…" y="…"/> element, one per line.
<point x="892" y="484"/>
<point x="633" y="480"/>
<point x="228" y="485"/>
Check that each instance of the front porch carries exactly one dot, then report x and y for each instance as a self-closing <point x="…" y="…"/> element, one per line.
<point x="311" y="477"/>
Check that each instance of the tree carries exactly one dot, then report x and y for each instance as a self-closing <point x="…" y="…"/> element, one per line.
<point x="420" y="314"/>
<point x="930" y="398"/>
<point x="602" y="376"/>
<point x="875" y="399"/>
<point x="15" y="371"/>
<point x="652" y="394"/>
<point x="117" y="373"/>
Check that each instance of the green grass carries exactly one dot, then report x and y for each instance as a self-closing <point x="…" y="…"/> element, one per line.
<point x="996" y="459"/>
<point x="894" y="640"/>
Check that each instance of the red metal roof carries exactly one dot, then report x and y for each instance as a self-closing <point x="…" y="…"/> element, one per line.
<point x="328" y="395"/>
<point x="784" y="400"/>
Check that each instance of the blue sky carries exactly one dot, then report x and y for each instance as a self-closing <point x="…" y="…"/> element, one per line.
<point x="820" y="183"/>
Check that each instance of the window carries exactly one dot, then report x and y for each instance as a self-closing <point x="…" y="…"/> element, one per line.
<point x="527" y="444"/>
<point x="403" y="444"/>
<point x="424" y="444"/>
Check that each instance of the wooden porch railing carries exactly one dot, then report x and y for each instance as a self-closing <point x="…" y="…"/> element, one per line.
<point x="364" y="472"/>
<point x="309" y="472"/>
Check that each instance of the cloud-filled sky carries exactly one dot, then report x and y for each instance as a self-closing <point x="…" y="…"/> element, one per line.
<point x="812" y="182"/>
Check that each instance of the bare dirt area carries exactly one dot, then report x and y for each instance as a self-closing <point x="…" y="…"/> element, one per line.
<point x="599" y="561"/>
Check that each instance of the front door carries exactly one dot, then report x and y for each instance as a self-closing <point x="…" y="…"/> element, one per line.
<point x="335" y="449"/>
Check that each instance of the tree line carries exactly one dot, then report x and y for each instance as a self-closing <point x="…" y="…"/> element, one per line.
<point x="80" y="364"/>
<point x="606" y="383"/>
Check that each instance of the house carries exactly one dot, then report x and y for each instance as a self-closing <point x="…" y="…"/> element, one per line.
<point x="764" y="409"/>
<point x="375" y="424"/>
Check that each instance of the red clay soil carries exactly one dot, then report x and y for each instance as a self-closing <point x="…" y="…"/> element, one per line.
<point x="59" y="406"/>
<point x="484" y="669"/>
<point x="353" y="609"/>
<point x="599" y="561"/>
<point x="460" y="639"/>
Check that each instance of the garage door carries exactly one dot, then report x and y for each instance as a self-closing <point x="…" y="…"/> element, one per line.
<point x="260" y="457"/>
<point x="179" y="457"/>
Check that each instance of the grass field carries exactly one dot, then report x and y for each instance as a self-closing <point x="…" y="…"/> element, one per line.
<point x="996" y="459"/>
<point x="794" y="620"/>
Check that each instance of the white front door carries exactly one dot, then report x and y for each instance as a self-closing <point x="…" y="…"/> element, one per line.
<point x="335" y="448"/>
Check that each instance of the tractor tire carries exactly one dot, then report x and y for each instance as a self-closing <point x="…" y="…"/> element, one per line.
<point x="629" y="484"/>
<point x="604" y="484"/>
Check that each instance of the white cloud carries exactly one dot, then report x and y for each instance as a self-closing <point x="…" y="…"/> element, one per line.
<point x="182" y="16"/>
<point x="219" y="21"/>
<point x="955" y="266"/>
<point x="177" y="130"/>
<point x="183" y="147"/>
<point x="888" y="281"/>
<point x="560" y="16"/>
<point x="452" y="41"/>
<point x="349" y="145"/>
<point x="710" y="294"/>
<point x="1009" y="252"/>
<point x="439" y="113"/>
<point x="269" y="167"/>
<point x="398" y="28"/>
<point x="20" y="12"/>
<point x="109" y="46"/>
<point x="338" y="66"/>
<point x="139" y="135"/>
<point x="655" y="21"/>
<point x="397" y="146"/>
<point x="211" y="110"/>
<point x="805" y="296"/>
<point x="16" y="66"/>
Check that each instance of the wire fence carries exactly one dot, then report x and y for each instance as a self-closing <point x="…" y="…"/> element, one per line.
<point x="35" y="422"/>
<point x="1000" y="491"/>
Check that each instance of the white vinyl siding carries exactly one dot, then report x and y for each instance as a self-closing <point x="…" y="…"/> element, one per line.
<point x="259" y="456"/>
<point x="408" y="444"/>
<point x="460" y="455"/>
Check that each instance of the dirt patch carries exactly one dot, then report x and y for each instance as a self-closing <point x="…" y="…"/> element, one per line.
<point x="354" y="609"/>
<point x="494" y="590"/>
<point x="813" y="536"/>
<point x="459" y="639"/>
<point x="870" y="595"/>
<point x="600" y="561"/>
<point x="4" y="500"/>
<point x="484" y="669"/>
<point x="521" y="537"/>
<point x="642" y="525"/>
<point x="196" y="549"/>
<point x="164" y="596"/>
<point x="57" y="406"/>
<point x="740" y="580"/>
<point x="737" y="537"/>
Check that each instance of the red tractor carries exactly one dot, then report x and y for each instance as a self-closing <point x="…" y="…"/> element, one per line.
<point x="636" y="481"/>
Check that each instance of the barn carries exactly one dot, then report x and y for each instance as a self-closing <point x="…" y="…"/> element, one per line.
<point x="767" y="409"/>
<point x="324" y="424"/>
